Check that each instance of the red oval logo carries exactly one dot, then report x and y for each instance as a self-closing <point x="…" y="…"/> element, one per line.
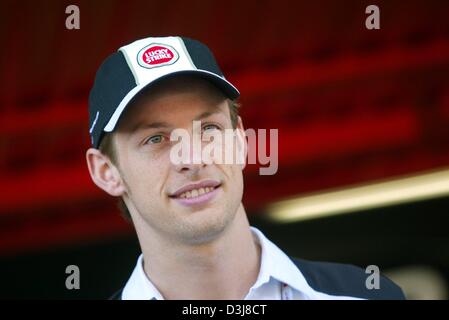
<point x="157" y="55"/>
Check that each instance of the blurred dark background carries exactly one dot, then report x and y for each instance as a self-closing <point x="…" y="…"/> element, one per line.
<point x="352" y="106"/>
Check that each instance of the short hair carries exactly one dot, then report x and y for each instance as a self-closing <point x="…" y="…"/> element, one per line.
<point x="107" y="147"/>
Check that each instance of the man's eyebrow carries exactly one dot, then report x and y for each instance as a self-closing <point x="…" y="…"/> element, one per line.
<point x="153" y="125"/>
<point x="157" y="125"/>
<point x="207" y="114"/>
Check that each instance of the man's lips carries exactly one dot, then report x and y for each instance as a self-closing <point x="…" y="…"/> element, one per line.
<point x="195" y="194"/>
<point x="196" y="189"/>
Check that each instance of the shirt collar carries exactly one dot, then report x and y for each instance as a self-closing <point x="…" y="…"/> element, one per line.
<point x="139" y="287"/>
<point x="274" y="264"/>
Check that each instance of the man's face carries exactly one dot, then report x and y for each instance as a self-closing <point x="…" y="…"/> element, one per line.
<point x="164" y="195"/>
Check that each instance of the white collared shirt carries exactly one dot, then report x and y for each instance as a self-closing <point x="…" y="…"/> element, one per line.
<point x="278" y="279"/>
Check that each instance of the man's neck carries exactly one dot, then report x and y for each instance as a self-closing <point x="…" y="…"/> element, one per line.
<point x="224" y="268"/>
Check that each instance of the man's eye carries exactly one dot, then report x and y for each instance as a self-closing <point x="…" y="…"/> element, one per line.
<point x="155" y="139"/>
<point x="211" y="127"/>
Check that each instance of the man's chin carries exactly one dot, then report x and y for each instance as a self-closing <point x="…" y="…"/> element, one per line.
<point x="205" y="228"/>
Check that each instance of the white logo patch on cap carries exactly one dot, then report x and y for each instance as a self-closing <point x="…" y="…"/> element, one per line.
<point x="157" y="55"/>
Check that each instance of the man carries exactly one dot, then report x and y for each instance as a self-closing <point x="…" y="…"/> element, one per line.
<point x="192" y="227"/>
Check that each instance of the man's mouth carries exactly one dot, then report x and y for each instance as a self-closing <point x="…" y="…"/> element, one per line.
<point x="196" y="193"/>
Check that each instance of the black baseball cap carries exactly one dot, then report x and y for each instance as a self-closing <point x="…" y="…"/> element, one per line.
<point x="139" y="65"/>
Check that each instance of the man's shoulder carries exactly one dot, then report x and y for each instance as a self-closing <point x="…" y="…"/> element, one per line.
<point x="346" y="280"/>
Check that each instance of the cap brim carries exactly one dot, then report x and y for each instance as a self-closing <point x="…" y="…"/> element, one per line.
<point x="221" y="83"/>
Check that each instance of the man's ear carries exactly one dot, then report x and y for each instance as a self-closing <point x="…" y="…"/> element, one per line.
<point x="242" y="143"/>
<point x="104" y="173"/>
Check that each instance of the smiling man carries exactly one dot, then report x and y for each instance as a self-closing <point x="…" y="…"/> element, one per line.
<point x="192" y="227"/>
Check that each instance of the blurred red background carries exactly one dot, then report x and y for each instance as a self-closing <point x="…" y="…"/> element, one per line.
<point x="351" y="105"/>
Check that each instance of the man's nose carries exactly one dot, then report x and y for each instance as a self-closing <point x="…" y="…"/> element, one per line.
<point x="193" y="161"/>
<point x="189" y="166"/>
